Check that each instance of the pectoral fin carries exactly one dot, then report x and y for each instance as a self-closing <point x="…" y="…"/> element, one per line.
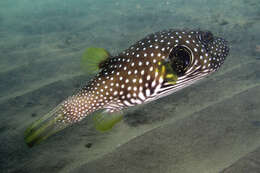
<point x="93" y="58"/>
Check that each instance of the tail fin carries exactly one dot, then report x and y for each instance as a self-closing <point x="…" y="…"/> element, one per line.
<point x="65" y="114"/>
<point x="70" y="112"/>
<point x="46" y="126"/>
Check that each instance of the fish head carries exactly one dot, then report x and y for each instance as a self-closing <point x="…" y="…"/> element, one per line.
<point x="190" y="56"/>
<point x="197" y="54"/>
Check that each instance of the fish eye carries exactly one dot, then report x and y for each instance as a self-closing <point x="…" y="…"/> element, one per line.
<point x="206" y="37"/>
<point x="180" y="59"/>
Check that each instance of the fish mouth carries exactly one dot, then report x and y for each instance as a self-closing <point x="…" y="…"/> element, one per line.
<point x="46" y="126"/>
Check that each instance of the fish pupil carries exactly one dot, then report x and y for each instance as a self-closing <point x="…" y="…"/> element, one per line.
<point x="180" y="58"/>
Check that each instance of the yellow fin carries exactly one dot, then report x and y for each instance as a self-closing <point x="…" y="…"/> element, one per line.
<point x="45" y="127"/>
<point x="93" y="58"/>
<point x="105" y="121"/>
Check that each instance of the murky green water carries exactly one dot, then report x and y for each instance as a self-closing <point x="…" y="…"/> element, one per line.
<point x="212" y="126"/>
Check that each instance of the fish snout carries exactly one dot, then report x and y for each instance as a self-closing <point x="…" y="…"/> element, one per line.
<point x="219" y="50"/>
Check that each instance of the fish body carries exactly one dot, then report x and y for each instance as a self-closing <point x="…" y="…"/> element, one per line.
<point x="158" y="65"/>
<point x="134" y="77"/>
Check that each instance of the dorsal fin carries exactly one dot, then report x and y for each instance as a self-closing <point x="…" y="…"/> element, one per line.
<point x="93" y="59"/>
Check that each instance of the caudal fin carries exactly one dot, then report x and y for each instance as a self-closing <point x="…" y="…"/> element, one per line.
<point x="46" y="126"/>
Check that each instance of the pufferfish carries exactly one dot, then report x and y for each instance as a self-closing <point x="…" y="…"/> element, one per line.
<point x="156" y="66"/>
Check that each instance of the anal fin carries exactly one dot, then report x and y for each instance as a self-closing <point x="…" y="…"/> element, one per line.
<point x="106" y="120"/>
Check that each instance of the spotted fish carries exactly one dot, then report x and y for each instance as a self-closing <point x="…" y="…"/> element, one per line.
<point x="158" y="65"/>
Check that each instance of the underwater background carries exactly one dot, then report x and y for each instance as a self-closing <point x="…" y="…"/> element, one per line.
<point x="212" y="126"/>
